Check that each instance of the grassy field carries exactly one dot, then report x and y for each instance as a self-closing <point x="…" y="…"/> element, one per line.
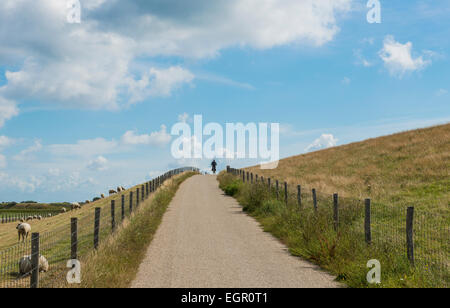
<point x="407" y="169"/>
<point x="55" y="239"/>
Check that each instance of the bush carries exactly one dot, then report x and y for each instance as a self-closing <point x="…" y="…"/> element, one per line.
<point x="231" y="189"/>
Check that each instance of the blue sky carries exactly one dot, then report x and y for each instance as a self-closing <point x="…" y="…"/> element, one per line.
<point x="85" y="107"/>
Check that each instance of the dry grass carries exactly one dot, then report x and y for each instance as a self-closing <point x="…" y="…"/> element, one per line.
<point x="410" y="168"/>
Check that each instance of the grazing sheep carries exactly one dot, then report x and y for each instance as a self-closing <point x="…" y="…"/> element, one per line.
<point x="25" y="265"/>
<point x="103" y="196"/>
<point x="123" y="188"/>
<point x="29" y="218"/>
<point x="76" y="206"/>
<point x="87" y="202"/>
<point x="119" y="189"/>
<point x="39" y="217"/>
<point x="23" y="229"/>
<point x="64" y="210"/>
<point x="49" y="215"/>
<point x="112" y="192"/>
<point x="35" y="217"/>
<point x="21" y="220"/>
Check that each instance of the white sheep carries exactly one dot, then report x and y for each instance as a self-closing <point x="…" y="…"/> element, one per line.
<point x="29" y="218"/>
<point x="25" y="265"/>
<point x="35" y="217"/>
<point x="39" y="217"/>
<point x="123" y="188"/>
<point x="119" y="189"/>
<point x="64" y="210"/>
<point x="102" y="195"/>
<point x="23" y="229"/>
<point x="76" y="205"/>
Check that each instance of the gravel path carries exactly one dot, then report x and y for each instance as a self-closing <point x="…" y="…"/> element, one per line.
<point x="206" y="241"/>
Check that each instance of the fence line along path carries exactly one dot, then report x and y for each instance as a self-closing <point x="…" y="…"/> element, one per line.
<point x="205" y="240"/>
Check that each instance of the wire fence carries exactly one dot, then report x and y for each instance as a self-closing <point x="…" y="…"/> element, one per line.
<point x="44" y="260"/>
<point x="7" y="216"/>
<point x="404" y="234"/>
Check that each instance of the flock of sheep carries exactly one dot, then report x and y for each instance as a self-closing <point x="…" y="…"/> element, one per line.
<point x="24" y="229"/>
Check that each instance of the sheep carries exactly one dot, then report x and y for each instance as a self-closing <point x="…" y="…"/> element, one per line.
<point x="87" y="202"/>
<point x="103" y="196"/>
<point x="112" y="192"/>
<point x="64" y="210"/>
<point x="75" y="206"/>
<point x="25" y="265"/>
<point x="49" y="215"/>
<point x="21" y="220"/>
<point x="23" y="229"/>
<point x="35" y="217"/>
<point x="29" y="218"/>
<point x="123" y="188"/>
<point x="119" y="189"/>
<point x="39" y="217"/>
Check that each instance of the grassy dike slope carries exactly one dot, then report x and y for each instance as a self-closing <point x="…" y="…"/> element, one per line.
<point x="117" y="260"/>
<point x="410" y="168"/>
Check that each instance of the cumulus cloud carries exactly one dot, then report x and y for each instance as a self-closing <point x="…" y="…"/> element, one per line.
<point x="98" y="164"/>
<point x="324" y="141"/>
<point x="92" y="65"/>
<point x="159" y="138"/>
<point x="398" y="58"/>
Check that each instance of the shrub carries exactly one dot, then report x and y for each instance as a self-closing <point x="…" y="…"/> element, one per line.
<point x="231" y="189"/>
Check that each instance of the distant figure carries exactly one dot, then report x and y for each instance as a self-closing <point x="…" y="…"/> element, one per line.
<point x="214" y="164"/>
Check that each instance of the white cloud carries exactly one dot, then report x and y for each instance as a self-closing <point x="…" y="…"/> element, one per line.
<point x="91" y="65"/>
<point x="5" y="141"/>
<point x="159" y="138"/>
<point x="159" y="82"/>
<point x="98" y="164"/>
<point x="324" y="141"/>
<point x="398" y="58"/>
<point x="85" y="148"/>
<point x="8" y="109"/>
<point x="25" y="154"/>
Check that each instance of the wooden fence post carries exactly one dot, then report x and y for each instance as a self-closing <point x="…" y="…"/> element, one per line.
<point x="35" y="255"/>
<point x="256" y="178"/>
<point x="131" y="202"/>
<point x="137" y="197"/>
<point x="74" y="238"/>
<point x="251" y="178"/>
<point x="143" y="193"/>
<point x="113" y="216"/>
<point x="314" y="195"/>
<point x="285" y="193"/>
<point x="336" y="211"/>
<point x="96" y="226"/>
<point x="123" y="207"/>
<point x="243" y="177"/>
<point x="270" y="188"/>
<point x="299" y="196"/>
<point x="367" y="227"/>
<point x="410" y="234"/>
<point x="277" y="189"/>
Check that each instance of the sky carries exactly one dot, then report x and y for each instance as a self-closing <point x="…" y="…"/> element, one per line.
<point x="88" y="106"/>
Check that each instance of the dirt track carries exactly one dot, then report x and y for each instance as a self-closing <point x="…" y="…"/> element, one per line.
<point x="206" y="241"/>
